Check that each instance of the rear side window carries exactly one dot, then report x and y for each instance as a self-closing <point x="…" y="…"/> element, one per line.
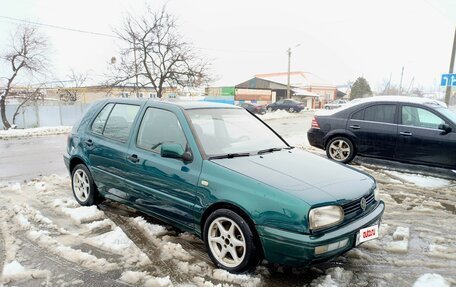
<point x="120" y="121"/>
<point x="100" y="121"/>
<point x="160" y="126"/>
<point x="359" y="115"/>
<point x="380" y="113"/>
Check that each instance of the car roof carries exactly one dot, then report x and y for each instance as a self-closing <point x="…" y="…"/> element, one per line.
<point x="186" y="105"/>
<point x="401" y="99"/>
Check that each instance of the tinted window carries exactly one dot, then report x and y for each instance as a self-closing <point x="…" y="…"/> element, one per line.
<point x="100" y="121"/>
<point x="119" y="122"/>
<point x="359" y="115"/>
<point x="418" y="117"/>
<point x="157" y="127"/>
<point x="380" y="113"/>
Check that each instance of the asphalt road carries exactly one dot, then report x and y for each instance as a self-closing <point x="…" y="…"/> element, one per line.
<point x="24" y="159"/>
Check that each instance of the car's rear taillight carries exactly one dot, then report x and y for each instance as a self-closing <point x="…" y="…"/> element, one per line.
<point x="315" y="124"/>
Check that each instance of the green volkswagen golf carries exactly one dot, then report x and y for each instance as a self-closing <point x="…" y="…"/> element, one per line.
<point x="223" y="174"/>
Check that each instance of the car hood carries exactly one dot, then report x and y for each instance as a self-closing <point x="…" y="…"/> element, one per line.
<point x="309" y="177"/>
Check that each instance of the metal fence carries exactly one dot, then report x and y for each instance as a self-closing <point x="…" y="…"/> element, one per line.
<point x="46" y="114"/>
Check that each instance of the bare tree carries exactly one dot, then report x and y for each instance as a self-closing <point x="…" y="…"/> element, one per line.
<point x="69" y="90"/>
<point x="27" y="54"/>
<point x="156" y="55"/>
<point x="27" y="97"/>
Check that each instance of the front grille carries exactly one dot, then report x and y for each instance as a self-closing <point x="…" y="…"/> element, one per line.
<point x="354" y="207"/>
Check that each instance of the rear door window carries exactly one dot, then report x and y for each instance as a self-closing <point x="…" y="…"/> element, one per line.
<point x="380" y="113"/>
<point x="120" y="120"/>
<point x="359" y="115"/>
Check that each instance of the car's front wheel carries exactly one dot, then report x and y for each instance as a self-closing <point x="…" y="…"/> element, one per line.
<point x="230" y="241"/>
<point x="340" y="149"/>
<point x="291" y="110"/>
<point x="84" y="189"/>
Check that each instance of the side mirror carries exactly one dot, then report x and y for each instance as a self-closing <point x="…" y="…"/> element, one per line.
<point x="173" y="150"/>
<point x="444" y="127"/>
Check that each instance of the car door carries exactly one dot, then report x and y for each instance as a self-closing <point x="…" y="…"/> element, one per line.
<point x="164" y="186"/>
<point x="420" y="139"/>
<point x="375" y="130"/>
<point x="106" y="144"/>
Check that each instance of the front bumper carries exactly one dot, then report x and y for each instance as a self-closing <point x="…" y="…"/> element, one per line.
<point x="294" y="249"/>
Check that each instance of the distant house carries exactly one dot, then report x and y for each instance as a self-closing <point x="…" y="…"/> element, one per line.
<point x="305" y="87"/>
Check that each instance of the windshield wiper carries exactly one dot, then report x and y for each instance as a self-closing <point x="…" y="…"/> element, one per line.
<point x="230" y="155"/>
<point x="269" y="150"/>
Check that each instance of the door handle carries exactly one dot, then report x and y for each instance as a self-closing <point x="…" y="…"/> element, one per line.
<point x="407" y="134"/>
<point x="355" y="127"/>
<point x="133" y="158"/>
<point x="89" y="142"/>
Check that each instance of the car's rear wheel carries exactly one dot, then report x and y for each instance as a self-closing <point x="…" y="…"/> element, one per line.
<point x="230" y="241"/>
<point x="340" y="149"/>
<point x="270" y="110"/>
<point x="84" y="189"/>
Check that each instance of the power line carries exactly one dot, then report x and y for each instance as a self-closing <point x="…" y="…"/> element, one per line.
<point x="117" y="37"/>
<point x="59" y="27"/>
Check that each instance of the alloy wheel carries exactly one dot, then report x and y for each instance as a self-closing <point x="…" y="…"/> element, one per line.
<point x="339" y="150"/>
<point x="81" y="185"/>
<point x="226" y="242"/>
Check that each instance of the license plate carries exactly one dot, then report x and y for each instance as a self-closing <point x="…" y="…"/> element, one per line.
<point x="367" y="234"/>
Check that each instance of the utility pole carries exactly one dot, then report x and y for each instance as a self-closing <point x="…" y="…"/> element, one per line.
<point x="448" y="88"/>
<point x="288" y="78"/>
<point x="400" y="85"/>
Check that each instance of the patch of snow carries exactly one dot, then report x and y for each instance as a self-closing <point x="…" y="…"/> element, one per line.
<point x="171" y="250"/>
<point x="143" y="278"/>
<point x="397" y="246"/>
<point x="151" y="230"/>
<point x="15" y="186"/>
<point x="40" y="186"/>
<point x="73" y="255"/>
<point x="15" y="272"/>
<point x="434" y="280"/>
<point x="240" y="279"/>
<point x="335" y="277"/>
<point x="115" y="241"/>
<point x="420" y="180"/>
<point x="401" y="233"/>
<point x="100" y="224"/>
<point x="12" y="268"/>
<point x="33" y="132"/>
<point x="279" y="114"/>
<point x="83" y="213"/>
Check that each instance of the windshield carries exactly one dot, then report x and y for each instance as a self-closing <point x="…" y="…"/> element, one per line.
<point x="449" y="114"/>
<point x="229" y="131"/>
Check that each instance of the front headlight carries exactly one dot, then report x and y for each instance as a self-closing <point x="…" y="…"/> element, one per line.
<point x="377" y="193"/>
<point x="325" y="216"/>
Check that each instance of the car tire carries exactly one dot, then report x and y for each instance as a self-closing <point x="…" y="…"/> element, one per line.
<point x="327" y="108"/>
<point x="84" y="189"/>
<point x="340" y="149"/>
<point x="270" y="110"/>
<point x="291" y="110"/>
<point x="229" y="241"/>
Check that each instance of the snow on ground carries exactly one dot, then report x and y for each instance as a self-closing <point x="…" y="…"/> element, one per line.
<point x="281" y="114"/>
<point x="431" y="280"/>
<point x="420" y="180"/>
<point x="33" y="132"/>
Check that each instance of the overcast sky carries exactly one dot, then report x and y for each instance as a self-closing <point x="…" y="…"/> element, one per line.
<point x="340" y="40"/>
